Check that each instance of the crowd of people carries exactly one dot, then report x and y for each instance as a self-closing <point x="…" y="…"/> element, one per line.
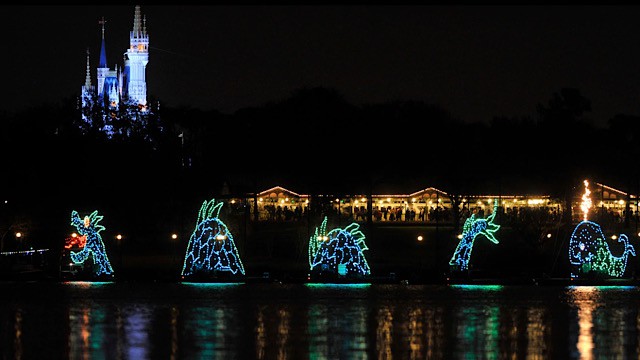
<point x="423" y="214"/>
<point x="507" y="215"/>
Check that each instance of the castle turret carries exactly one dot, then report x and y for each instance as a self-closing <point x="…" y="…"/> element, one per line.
<point x="138" y="57"/>
<point x="111" y="89"/>
<point x="120" y="82"/>
<point x="87" y="79"/>
<point x="87" y="88"/>
<point x="103" y="69"/>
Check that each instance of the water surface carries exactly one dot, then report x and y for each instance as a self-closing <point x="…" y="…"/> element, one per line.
<point x="140" y="320"/>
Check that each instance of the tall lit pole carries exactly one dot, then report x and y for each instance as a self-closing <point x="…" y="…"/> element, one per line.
<point x="119" y="238"/>
<point x="420" y="256"/>
<point x="181" y="136"/>
<point x="18" y="238"/>
<point x="174" y="237"/>
<point x="437" y="215"/>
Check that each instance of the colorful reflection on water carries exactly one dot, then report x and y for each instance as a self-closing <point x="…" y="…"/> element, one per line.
<point x="275" y="321"/>
<point x="603" y="323"/>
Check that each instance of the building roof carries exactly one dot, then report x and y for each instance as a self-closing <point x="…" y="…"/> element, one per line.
<point x="103" y="55"/>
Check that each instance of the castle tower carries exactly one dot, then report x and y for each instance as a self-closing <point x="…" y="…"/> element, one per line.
<point x="87" y="89"/>
<point x="120" y="82"/>
<point x="137" y="57"/>
<point x="111" y="89"/>
<point x="103" y="69"/>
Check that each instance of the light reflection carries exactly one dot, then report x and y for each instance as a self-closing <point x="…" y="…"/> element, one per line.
<point x="415" y="333"/>
<point x="385" y="322"/>
<point x="477" y="287"/>
<point x="337" y="286"/>
<point x="87" y="284"/>
<point x="477" y="332"/>
<point x="384" y="332"/>
<point x="584" y="299"/>
<point x="212" y="285"/>
<point x="318" y="330"/>
<point x="536" y="329"/>
<point x="509" y="332"/>
<point x="435" y="333"/>
<point x="615" y="288"/>
<point x="207" y="332"/>
<point x="637" y="329"/>
<point x="610" y="321"/>
<point x="119" y="334"/>
<point x="491" y="332"/>
<point x="283" y="333"/>
<point x="357" y="346"/>
<point x="337" y="331"/>
<point x="17" y="341"/>
<point x="174" y="332"/>
<point x="137" y="332"/>
<point x="261" y="334"/>
<point x="87" y="334"/>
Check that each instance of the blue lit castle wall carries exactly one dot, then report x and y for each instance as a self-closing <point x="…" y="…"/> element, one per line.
<point x="211" y="248"/>
<point x="589" y="251"/>
<point x="89" y="228"/>
<point x="339" y="251"/>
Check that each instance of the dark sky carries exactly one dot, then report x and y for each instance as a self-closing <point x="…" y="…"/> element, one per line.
<point x="475" y="61"/>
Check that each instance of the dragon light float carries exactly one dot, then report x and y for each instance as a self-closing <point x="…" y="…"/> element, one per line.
<point x="91" y="242"/>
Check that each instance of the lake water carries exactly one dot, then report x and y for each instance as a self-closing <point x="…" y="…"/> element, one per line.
<point x="160" y="320"/>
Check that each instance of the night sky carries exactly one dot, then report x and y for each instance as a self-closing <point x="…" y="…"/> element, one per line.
<point x="475" y="61"/>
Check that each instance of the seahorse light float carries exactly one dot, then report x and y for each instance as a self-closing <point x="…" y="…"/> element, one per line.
<point x="471" y="229"/>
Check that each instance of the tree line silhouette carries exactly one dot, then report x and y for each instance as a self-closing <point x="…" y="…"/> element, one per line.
<point x="313" y="142"/>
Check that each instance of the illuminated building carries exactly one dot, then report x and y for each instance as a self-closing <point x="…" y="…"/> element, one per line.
<point x="120" y="87"/>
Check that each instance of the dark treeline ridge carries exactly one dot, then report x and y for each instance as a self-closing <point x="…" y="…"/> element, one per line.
<point x="314" y="142"/>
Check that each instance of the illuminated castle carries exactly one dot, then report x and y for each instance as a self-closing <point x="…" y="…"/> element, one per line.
<point x="119" y="86"/>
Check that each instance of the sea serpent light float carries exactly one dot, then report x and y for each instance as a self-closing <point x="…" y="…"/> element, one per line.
<point x="339" y="251"/>
<point x="211" y="249"/>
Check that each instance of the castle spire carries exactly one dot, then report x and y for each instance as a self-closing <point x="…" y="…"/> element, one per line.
<point x="137" y="59"/>
<point x="102" y="22"/>
<point x="87" y="80"/>
<point x="137" y="22"/>
<point x="103" y="51"/>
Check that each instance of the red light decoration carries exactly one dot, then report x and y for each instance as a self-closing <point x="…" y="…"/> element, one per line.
<point x="73" y="241"/>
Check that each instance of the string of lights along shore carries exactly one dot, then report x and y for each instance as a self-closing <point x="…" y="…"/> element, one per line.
<point x="119" y="87"/>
